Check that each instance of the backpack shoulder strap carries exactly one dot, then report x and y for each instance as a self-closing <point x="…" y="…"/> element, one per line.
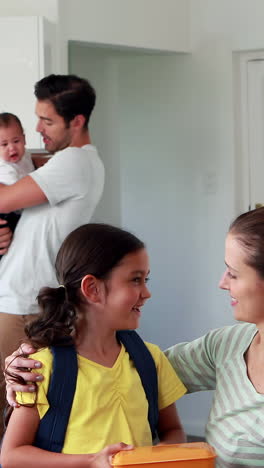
<point x="52" y="428"/>
<point x="147" y="371"/>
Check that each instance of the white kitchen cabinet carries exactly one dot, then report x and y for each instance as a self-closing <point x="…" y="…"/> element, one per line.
<point x="26" y="55"/>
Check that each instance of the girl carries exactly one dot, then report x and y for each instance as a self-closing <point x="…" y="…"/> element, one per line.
<point x="102" y="272"/>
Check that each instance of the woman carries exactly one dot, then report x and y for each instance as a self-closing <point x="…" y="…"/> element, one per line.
<point x="230" y="360"/>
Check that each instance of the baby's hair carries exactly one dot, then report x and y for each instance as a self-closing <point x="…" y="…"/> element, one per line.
<point x="93" y="249"/>
<point x="7" y="119"/>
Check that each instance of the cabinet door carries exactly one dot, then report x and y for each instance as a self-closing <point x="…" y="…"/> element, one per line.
<point x="22" y="61"/>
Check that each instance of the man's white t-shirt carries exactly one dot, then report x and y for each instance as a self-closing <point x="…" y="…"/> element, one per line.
<point x="12" y="172"/>
<point x="72" y="181"/>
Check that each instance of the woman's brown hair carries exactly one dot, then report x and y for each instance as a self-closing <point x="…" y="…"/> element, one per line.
<point x="248" y="229"/>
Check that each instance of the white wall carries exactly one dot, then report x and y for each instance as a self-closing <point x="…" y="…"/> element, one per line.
<point x="160" y="186"/>
<point x="49" y="8"/>
<point x="151" y="24"/>
<point x="141" y="126"/>
<point x="218" y="29"/>
<point x="99" y="66"/>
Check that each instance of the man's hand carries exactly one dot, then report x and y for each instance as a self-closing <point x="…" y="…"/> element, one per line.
<point x="5" y="237"/>
<point x="21" y="366"/>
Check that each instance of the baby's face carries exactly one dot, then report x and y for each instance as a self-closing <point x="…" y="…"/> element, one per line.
<point x="12" y="143"/>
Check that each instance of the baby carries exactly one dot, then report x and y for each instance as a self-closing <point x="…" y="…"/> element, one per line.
<point x="15" y="161"/>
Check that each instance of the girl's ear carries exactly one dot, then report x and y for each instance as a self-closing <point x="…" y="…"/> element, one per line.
<point x="90" y="287"/>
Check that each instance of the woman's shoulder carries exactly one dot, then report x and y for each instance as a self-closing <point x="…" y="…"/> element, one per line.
<point x="229" y="340"/>
<point x="242" y="329"/>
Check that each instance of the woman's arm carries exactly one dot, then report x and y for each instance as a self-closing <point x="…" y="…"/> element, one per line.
<point x="170" y="429"/>
<point x="18" y="451"/>
<point x="21" y="366"/>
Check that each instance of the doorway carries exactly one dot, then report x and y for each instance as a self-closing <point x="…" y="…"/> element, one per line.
<point x="249" y="125"/>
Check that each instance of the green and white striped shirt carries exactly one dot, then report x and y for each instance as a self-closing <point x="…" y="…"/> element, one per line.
<point x="235" y="426"/>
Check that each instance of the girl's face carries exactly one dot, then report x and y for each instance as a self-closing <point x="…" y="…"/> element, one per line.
<point x="125" y="291"/>
<point x="12" y="143"/>
<point x="245" y="286"/>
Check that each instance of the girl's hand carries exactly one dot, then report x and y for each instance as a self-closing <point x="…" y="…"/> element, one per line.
<point x="19" y="365"/>
<point x="103" y="458"/>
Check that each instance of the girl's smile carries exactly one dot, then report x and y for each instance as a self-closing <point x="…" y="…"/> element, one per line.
<point x="126" y="291"/>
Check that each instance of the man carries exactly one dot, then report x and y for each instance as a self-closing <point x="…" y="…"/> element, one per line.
<point x="56" y="198"/>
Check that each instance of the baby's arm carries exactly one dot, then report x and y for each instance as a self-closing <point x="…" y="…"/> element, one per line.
<point x="18" y="451"/>
<point x="170" y="429"/>
<point x="8" y="174"/>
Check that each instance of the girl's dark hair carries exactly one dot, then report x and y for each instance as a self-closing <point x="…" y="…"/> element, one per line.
<point x="7" y="119"/>
<point x="90" y="249"/>
<point x="248" y="229"/>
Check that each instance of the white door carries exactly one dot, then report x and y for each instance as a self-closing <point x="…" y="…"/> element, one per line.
<point x="255" y="97"/>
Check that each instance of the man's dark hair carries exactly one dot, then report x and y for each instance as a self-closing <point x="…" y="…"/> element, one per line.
<point x="69" y="94"/>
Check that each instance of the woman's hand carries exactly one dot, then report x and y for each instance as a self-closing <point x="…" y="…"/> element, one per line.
<point x="21" y="366"/>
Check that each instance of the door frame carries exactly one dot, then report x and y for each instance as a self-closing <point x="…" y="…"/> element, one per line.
<point x="241" y="127"/>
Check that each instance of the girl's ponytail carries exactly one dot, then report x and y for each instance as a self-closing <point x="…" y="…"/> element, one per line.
<point x="56" y="321"/>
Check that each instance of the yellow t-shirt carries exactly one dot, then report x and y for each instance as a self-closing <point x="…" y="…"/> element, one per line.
<point x="109" y="404"/>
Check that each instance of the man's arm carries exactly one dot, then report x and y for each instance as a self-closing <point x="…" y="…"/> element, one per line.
<point x="22" y="194"/>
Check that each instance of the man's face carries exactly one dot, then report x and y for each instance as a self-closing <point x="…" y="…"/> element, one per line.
<point x="52" y="127"/>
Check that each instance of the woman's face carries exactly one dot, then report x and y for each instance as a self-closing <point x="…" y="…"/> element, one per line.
<point x="245" y="286"/>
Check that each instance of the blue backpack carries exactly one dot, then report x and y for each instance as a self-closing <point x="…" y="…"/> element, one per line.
<point x="52" y="428"/>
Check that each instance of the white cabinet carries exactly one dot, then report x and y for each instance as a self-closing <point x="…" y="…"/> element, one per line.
<point x="26" y="48"/>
